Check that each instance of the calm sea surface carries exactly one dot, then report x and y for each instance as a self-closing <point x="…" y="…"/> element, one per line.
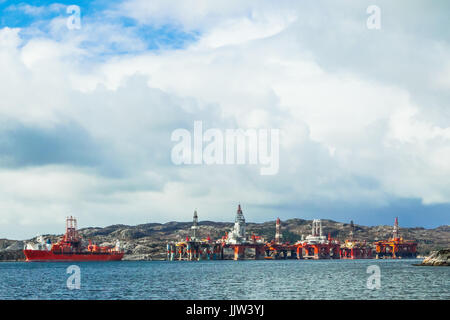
<point x="282" y="279"/>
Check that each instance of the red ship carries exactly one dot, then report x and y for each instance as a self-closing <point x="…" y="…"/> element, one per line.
<point x="70" y="248"/>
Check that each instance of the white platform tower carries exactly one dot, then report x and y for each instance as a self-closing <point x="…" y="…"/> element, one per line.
<point x="237" y="234"/>
<point x="316" y="233"/>
<point x="194" y="226"/>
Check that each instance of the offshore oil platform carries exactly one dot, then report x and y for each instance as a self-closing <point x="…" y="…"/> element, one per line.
<point x="396" y="247"/>
<point x="276" y="249"/>
<point x="194" y="248"/>
<point x="355" y="249"/>
<point x="317" y="245"/>
<point x="314" y="246"/>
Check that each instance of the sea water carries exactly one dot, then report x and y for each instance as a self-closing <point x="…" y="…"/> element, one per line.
<point x="250" y="279"/>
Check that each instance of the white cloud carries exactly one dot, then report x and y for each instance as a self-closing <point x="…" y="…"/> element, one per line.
<point x="190" y="13"/>
<point x="347" y="136"/>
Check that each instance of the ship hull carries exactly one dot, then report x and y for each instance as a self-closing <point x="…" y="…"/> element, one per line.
<point x="48" y="256"/>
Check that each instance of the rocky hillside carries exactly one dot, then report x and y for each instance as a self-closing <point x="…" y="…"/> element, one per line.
<point x="148" y="241"/>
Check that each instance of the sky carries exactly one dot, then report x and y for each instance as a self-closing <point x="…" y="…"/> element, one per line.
<point x="87" y="114"/>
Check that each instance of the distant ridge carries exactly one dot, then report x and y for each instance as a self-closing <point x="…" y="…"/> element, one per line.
<point x="148" y="241"/>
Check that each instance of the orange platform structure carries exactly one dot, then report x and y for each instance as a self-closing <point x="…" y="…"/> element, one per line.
<point x="317" y="246"/>
<point x="355" y="249"/>
<point x="396" y="247"/>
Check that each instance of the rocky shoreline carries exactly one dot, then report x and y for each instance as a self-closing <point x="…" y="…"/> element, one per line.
<point x="12" y="256"/>
<point x="437" y="258"/>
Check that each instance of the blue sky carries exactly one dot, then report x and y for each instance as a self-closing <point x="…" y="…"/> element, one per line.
<point x="35" y="15"/>
<point x="86" y="115"/>
<point x="12" y="16"/>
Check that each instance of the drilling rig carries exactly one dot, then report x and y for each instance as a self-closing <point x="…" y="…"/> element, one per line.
<point x="353" y="248"/>
<point x="396" y="247"/>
